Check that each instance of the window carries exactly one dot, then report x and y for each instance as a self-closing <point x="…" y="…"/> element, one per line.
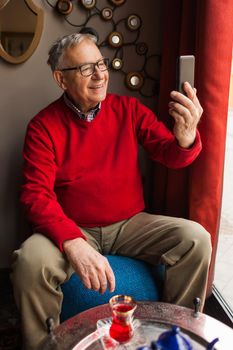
<point x="223" y="283"/>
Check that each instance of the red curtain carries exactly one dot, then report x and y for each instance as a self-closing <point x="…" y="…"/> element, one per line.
<point x="203" y="28"/>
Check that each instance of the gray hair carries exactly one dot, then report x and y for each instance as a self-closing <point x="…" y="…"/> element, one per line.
<point x="58" y="49"/>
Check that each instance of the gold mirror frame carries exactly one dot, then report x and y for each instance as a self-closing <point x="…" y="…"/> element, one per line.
<point x="36" y="38"/>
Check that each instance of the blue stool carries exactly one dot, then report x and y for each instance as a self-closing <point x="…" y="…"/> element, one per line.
<point x="133" y="277"/>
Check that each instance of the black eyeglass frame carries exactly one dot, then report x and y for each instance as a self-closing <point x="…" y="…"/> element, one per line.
<point x="79" y="68"/>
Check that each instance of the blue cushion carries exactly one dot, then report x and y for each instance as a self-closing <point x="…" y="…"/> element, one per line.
<point x="133" y="277"/>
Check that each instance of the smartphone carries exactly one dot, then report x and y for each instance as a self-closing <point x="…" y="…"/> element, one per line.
<point x="185" y="72"/>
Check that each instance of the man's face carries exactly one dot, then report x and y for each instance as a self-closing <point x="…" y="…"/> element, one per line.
<point x="86" y="92"/>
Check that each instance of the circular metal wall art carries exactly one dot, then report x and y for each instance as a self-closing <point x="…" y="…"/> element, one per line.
<point x="117" y="63"/>
<point x="134" y="22"/>
<point x="88" y="4"/>
<point x="107" y="13"/>
<point x="64" y="7"/>
<point x="134" y="80"/>
<point x="144" y="78"/>
<point x="115" y="39"/>
<point x="141" y="48"/>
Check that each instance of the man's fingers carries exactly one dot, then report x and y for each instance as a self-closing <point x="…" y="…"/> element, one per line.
<point x="181" y="109"/>
<point x="182" y="100"/>
<point x="192" y="94"/>
<point x="103" y="282"/>
<point x="92" y="267"/>
<point x="189" y="90"/>
<point x="177" y="110"/>
<point x="86" y="281"/>
<point x="99" y="279"/>
<point x="180" y="121"/>
<point x="111" y="279"/>
<point x="103" y="287"/>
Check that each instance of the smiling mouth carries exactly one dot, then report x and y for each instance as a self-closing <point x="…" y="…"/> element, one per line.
<point x="97" y="87"/>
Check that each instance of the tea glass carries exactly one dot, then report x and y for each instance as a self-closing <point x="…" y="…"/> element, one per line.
<point x="122" y="307"/>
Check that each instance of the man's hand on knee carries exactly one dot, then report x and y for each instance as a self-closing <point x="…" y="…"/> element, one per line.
<point x="92" y="267"/>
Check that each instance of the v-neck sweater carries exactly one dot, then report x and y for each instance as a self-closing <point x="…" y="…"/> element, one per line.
<point x="80" y="174"/>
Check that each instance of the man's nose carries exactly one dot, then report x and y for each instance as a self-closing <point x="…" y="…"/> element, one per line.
<point x="97" y="72"/>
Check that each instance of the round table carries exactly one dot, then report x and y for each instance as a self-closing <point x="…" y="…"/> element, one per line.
<point x="81" y="332"/>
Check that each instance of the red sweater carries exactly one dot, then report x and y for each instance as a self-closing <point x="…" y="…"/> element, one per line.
<point x="87" y="174"/>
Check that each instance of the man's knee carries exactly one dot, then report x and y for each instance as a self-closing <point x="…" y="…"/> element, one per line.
<point x="36" y="257"/>
<point x="198" y="237"/>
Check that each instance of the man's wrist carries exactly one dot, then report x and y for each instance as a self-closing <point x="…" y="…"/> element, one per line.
<point x="70" y="242"/>
<point x="187" y="143"/>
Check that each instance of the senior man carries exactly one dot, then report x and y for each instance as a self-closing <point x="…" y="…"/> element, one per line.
<point x="83" y="194"/>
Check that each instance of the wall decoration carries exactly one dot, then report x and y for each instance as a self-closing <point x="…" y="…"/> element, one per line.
<point x="116" y="40"/>
<point x="134" y="22"/>
<point x="134" y="80"/>
<point x="88" y="4"/>
<point x="15" y="44"/>
<point x="21" y="26"/>
<point x="107" y="13"/>
<point x="64" y="7"/>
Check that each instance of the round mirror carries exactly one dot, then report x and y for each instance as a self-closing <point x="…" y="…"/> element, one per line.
<point x="20" y="30"/>
<point x="115" y="39"/>
<point x="107" y="13"/>
<point x="134" y="22"/>
<point x="134" y="80"/>
<point x="88" y="4"/>
<point x="117" y="64"/>
<point x="64" y="7"/>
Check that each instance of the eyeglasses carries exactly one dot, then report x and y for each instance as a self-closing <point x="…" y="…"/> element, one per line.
<point x="88" y="69"/>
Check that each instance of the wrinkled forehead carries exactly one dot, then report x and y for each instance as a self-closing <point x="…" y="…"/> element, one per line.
<point x="84" y="52"/>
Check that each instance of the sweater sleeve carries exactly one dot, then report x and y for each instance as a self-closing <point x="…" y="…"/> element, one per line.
<point x="38" y="198"/>
<point x="159" y="142"/>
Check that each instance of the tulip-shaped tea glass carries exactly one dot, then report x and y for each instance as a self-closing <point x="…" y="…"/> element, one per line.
<point x="123" y="307"/>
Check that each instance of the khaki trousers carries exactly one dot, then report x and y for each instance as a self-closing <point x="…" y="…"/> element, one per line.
<point x="39" y="267"/>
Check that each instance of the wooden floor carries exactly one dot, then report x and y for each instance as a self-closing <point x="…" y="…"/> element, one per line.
<point x="10" y="337"/>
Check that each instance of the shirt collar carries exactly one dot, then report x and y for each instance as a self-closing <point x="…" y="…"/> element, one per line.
<point x="84" y="116"/>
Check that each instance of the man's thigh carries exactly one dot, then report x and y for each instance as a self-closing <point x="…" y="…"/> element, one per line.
<point x="157" y="239"/>
<point x="38" y="254"/>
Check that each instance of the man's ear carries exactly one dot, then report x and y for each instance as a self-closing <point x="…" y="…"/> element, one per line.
<point x="59" y="78"/>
